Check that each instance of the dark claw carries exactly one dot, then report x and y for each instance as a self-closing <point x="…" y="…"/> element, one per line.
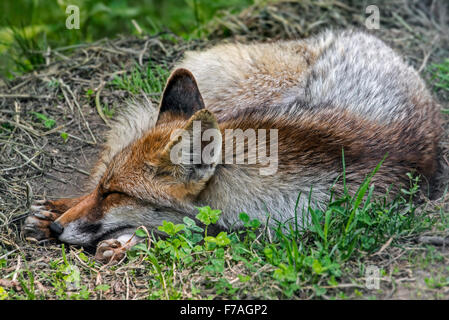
<point x="56" y="228"/>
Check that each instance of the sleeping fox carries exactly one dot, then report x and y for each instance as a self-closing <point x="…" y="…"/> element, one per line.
<point x="340" y="92"/>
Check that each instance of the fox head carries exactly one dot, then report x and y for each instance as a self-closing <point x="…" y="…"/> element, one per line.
<point x="141" y="184"/>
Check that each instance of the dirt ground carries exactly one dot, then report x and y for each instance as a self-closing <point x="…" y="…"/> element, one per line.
<point x="37" y="162"/>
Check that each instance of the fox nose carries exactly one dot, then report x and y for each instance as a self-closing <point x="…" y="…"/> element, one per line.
<point x="56" y="228"/>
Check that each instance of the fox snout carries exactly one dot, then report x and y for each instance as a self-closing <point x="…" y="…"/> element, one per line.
<point x="102" y="215"/>
<point x="85" y="222"/>
<point x="87" y="212"/>
<point x="84" y="209"/>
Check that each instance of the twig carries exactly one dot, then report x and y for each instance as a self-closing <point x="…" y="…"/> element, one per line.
<point x="79" y="110"/>
<point x="424" y="62"/>
<point x="127" y="285"/>
<point x="17" y="108"/>
<point x="57" y="129"/>
<point x="20" y="84"/>
<point x="8" y="253"/>
<point x="29" y="160"/>
<point x="21" y="126"/>
<point x="98" y="105"/>
<point x="65" y="95"/>
<point x="143" y="52"/>
<point x="14" y="277"/>
<point x="78" y="138"/>
<point x="23" y="96"/>
<point x="386" y="245"/>
<point x="79" y="170"/>
<point x="434" y="240"/>
<point x="136" y="25"/>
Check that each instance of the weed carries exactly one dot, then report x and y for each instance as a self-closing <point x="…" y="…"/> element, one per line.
<point x="148" y="80"/>
<point x="48" y="122"/>
<point x="108" y="111"/>
<point x="64" y="136"/>
<point x="440" y="75"/>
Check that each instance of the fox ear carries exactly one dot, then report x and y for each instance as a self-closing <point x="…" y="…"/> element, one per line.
<point x="181" y="94"/>
<point x="195" y="150"/>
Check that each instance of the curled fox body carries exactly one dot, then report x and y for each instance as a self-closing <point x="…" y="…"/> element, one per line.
<point x="336" y="91"/>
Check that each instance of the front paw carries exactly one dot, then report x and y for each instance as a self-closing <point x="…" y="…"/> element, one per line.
<point x="114" y="250"/>
<point x="111" y="250"/>
<point x="37" y="224"/>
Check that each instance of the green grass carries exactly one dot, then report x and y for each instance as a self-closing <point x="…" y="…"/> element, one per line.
<point x="25" y="50"/>
<point x="440" y="75"/>
<point x="29" y="27"/>
<point x="149" y="80"/>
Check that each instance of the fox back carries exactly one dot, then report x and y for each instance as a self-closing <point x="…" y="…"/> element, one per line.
<point x="336" y="93"/>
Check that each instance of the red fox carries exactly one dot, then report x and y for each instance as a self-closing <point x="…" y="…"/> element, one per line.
<point x="302" y="103"/>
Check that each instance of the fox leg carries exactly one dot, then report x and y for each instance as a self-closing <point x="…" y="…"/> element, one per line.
<point x="114" y="250"/>
<point x="42" y="214"/>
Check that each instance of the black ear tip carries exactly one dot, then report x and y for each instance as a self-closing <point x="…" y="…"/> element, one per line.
<point x="180" y="75"/>
<point x="181" y="94"/>
<point x="182" y="72"/>
<point x="183" y="78"/>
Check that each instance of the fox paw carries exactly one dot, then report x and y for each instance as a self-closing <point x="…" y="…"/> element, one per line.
<point x="37" y="224"/>
<point x="110" y="250"/>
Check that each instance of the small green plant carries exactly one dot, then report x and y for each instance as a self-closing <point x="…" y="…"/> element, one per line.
<point x="437" y="282"/>
<point x="67" y="277"/>
<point x="48" y="122"/>
<point x="250" y="227"/>
<point x="28" y="286"/>
<point x="64" y="136"/>
<point x="90" y="93"/>
<point x="349" y="227"/>
<point x="185" y="245"/>
<point x="53" y="83"/>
